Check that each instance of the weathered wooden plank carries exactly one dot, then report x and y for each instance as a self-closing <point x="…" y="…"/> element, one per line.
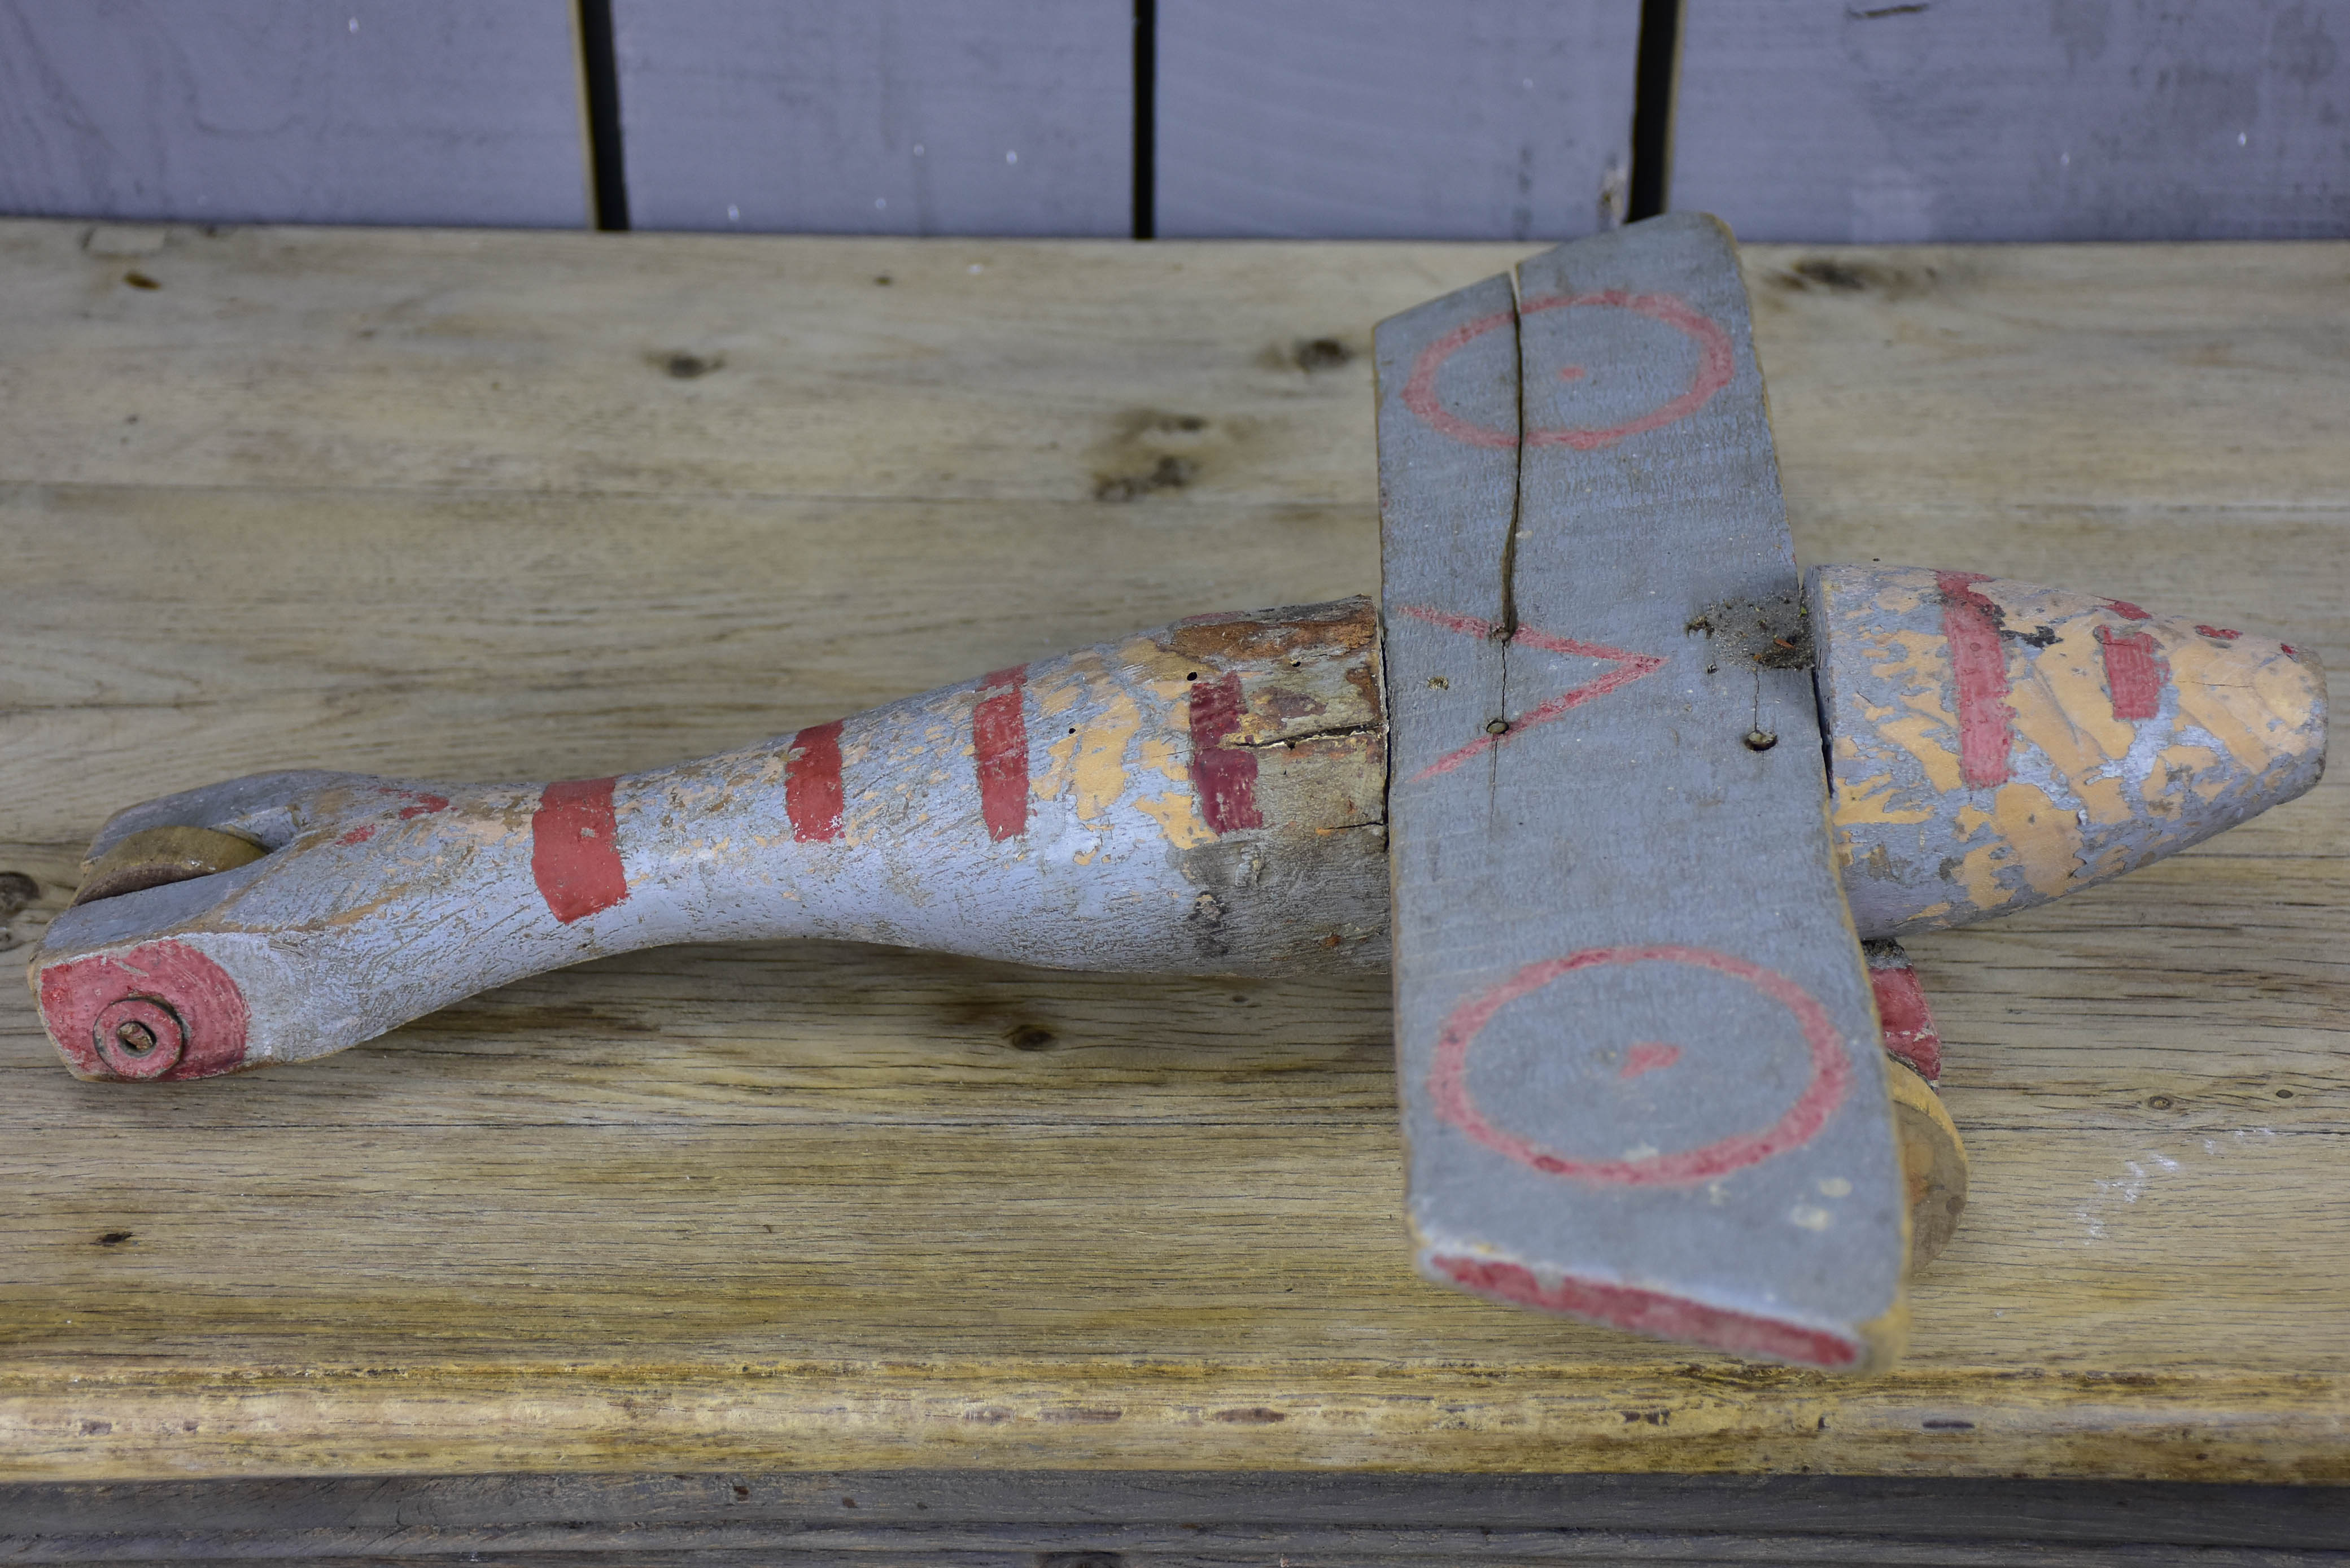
<point x="1609" y="847"/>
<point x="283" y="1245"/>
<point x="2026" y="119"/>
<point x="689" y="367"/>
<point x="2194" y="384"/>
<point x="1360" y="1515"/>
<point x="427" y="111"/>
<point x="1170" y="1520"/>
<point x="901" y="117"/>
<point x="495" y="540"/>
<point x="1479" y="120"/>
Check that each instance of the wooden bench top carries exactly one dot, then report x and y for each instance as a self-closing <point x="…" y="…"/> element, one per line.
<point x="461" y="503"/>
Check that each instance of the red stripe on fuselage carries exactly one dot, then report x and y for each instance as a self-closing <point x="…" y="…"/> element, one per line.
<point x="999" y="749"/>
<point x="812" y="784"/>
<point x="574" y="849"/>
<point x="1223" y="777"/>
<point x="2134" y="673"/>
<point x="1979" y="666"/>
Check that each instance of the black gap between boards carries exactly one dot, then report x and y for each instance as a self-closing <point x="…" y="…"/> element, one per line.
<point x="607" y="162"/>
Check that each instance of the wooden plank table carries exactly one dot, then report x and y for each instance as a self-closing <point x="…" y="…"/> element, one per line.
<point x="496" y="505"/>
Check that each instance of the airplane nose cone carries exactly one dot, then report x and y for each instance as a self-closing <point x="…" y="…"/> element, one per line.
<point x="1994" y="744"/>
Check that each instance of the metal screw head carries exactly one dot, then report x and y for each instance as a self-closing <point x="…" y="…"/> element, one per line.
<point x="1497" y="727"/>
<point x="1760" y="740"/>
<point x="134" y="1037"/>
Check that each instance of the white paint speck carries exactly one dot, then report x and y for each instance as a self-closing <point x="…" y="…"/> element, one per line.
<point x="2243" y="138"/>
<point x="734" y="213"/>
<point x="1835" y="1187"/>
<point x="917" y="150"/>
<point x="2064" y="161"/>
<point x="976" y="267"/>
<point x="1528" y="83"/>
<point x="354" y="24"/>
<point x="1012" y="157"/>
<point x="880" y="203"/>
<point x="1641" y="1151"/>
<point x="1810" y="1217"/>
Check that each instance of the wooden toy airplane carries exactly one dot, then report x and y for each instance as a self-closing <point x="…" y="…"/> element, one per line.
<point x="1616" y="794"/>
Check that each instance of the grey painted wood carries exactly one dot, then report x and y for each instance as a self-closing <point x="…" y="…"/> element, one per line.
<point x="368" y="111"/>
<point x="891" y="117"/>
<point x="1638" y="1051"/>
<point x="1241" y="1516"/>
<point x="2015" y="120"/>
<point x="1394" y="118"/>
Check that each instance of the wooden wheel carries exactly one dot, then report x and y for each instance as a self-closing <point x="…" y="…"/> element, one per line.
<point x="1933" y="1161"/>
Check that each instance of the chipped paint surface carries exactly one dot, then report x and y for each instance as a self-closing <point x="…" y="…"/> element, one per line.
<point x="381" y="901"/>
<point x="2127" y="736"/>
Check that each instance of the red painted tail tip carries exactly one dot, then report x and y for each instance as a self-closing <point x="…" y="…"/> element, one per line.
<point x="1652" y="1312"/>
<point x="161" y="1012"/>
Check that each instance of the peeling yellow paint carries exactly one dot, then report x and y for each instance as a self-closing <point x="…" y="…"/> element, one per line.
<point x="1161" y="754"/>
<point x="1177" y="815"/>
<point x="2063" y="705"/>
<point x="2046" y="837"/>
<point x="1904" y="593"/>
<point x="1978" y="872"/>
<point x="1101" y="755"/>
<point x="1057" y="688"/>
<point x="2183" y="763"/>
<point x="2218" y="694"/>
<point x="1873" y="800"/>
<point x="1917" y="735"/>
<point x="1163" y="670"/>
<point x="1060" y="767"/>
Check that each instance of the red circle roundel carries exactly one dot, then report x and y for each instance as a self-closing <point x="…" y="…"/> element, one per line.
<point x="1831" y="1073"/>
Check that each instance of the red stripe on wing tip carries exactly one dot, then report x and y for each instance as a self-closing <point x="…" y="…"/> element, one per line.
<point x="574" y="849"/>
<point x="999" y="746"/>
<point x="1653" y="1313"/>
<point x="812" y="796"/>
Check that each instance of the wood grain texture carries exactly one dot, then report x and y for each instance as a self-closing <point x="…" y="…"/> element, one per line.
<point x="1478" y="120"/>
<point x="899" y="117"/>
<point x="426" y="111"/>
<point x="2024" y="119"/>
<point x="500" y="537"/>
